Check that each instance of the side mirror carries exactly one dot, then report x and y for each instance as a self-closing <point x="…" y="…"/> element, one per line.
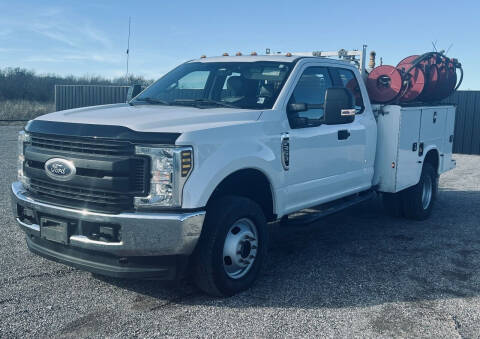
<point x="293" y="118"/>
<point x="339" y="106"/>
<point x="133" y="91"/>
<point x="296" y="108"/>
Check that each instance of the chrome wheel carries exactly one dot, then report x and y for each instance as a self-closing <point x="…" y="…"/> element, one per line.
<point x="240" y="248"/>
<point x="427" y="192"/>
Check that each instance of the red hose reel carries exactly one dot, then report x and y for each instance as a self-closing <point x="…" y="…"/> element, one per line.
<point x="429" y="77"/>
<point x="384" y="84"/>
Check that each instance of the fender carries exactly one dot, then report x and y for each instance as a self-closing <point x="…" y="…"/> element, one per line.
<point x="247" y="153"/>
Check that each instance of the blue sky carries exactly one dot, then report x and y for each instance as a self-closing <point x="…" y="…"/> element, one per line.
<point x="90" y="37"/>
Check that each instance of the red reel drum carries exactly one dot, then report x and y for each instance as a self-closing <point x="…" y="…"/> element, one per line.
<point x="451" y="79"/>
<point x="408" y="60"/>
<point x="430" y="69"/>
<point x="415" y="80"/>
<point x="439" y="77"/>
<point x="442" y="79"/>
<point x="384" y="84"/>
<point x="447" y="78"/>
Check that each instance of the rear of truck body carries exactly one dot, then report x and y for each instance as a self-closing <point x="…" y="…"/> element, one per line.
<point x="405" y="136"/>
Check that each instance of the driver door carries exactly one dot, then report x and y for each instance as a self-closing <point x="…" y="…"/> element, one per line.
<point x="324" y="160"/>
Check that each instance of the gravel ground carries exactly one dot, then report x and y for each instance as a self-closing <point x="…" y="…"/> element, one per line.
<point x="359" y="273"/>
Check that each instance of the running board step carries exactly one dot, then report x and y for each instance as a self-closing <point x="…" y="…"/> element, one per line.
<point x="313" y="214"/>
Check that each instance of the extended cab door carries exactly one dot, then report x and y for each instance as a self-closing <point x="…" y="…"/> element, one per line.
<point x="326" y="162"/>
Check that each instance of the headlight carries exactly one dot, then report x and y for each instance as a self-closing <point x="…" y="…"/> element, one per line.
<point x="170" y="168"/>
<point x="23" y="138"/>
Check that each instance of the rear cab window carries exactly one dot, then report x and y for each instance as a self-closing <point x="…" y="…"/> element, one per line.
<point x="346" y="78"/>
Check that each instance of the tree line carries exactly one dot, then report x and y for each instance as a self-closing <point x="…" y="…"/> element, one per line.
<point x="22" y="84"/>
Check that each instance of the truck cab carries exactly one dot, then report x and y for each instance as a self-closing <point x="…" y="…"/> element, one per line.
<point x="186" y="175"/>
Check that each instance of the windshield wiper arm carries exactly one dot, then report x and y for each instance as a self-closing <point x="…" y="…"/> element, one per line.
<point x="205" y="101"/>
<point x="153" y="101"/>
<point x="220" y="103"/>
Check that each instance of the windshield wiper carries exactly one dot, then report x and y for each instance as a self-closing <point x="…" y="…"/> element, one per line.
<point x="153" y="101"/>
<point x="195" y="102"/>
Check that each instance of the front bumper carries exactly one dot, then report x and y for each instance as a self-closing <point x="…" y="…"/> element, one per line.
<point x="143" y="235"/>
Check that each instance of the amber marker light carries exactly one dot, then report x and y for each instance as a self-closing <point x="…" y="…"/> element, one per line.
<point x="186" y="157"/>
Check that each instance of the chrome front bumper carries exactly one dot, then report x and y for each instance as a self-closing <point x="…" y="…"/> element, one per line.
<point x="142" y="234"/>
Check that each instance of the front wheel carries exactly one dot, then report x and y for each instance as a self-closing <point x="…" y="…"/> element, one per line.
<point x="232" y="246"/>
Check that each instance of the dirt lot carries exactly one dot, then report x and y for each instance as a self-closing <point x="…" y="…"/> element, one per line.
<point x="359" y="273"/>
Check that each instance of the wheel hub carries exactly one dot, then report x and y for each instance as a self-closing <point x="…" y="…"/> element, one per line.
<point x="240" y="248"/>
<point x="245" y="249"/>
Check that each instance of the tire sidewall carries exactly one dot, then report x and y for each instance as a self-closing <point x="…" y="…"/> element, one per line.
<point x="412" y="198"/>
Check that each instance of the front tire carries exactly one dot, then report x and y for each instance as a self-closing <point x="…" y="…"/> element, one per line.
<point x="232" y="247"/>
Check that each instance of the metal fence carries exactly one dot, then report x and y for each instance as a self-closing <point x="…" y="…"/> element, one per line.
<point x="74" y="96"/>
<point x="467" y="122"/>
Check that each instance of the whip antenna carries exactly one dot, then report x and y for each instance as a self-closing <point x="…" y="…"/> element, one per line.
<point x="448" y="49"/>
<point x="128" y="47"/>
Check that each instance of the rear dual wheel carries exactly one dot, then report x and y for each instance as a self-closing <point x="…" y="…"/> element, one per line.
<point x="415" y="202"/>
<point x="418" y="200"/>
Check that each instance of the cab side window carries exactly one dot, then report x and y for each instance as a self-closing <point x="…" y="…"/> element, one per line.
<point x="310" y="90"/>
<point x="348" y="80"/>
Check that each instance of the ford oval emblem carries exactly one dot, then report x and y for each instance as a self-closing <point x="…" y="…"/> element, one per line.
<point x="60" y="169"/>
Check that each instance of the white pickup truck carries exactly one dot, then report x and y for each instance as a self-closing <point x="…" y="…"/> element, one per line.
<point x="186" y="175"/>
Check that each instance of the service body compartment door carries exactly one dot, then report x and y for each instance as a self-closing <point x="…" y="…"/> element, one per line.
<point x="448" y="163"/>
<point x="388" y="125"/>
<point x="397" y="162"/>
<point x="432" y="130"/>
<point x="408" y="165"/>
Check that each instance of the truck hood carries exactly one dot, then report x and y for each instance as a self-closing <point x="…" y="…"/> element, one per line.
<point x="155" y="118"/>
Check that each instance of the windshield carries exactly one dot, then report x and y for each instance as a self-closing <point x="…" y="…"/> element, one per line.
<point x="253" y="85"/>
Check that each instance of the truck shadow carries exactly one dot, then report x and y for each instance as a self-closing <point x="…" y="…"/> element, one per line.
<point x="358" y="257"/>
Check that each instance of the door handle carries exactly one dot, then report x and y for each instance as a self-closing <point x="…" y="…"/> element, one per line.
<point x="343" y="134"/>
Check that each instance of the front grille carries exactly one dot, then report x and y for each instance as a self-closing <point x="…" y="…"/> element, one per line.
<point x="94" y="200"/>
<point x="82" y="145"/>
<point x="108" y="174"/>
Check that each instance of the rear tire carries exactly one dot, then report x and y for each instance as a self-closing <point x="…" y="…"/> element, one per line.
<point x="232" y="247"/>
<point x="418" y="200"/>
